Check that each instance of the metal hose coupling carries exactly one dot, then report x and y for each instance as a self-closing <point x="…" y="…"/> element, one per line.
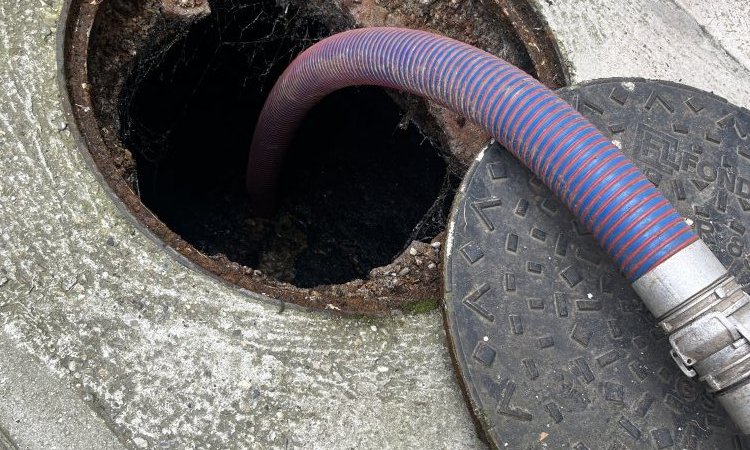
<point x="707" y="316"/>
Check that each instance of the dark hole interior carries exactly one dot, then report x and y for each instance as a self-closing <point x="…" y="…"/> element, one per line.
<point x="361" y="182"/>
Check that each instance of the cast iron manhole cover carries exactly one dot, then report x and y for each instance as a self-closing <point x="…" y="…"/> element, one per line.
<point x="553" y="346"/>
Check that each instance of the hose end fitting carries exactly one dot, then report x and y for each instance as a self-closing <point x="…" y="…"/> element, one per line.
<point x="707" y="316"/>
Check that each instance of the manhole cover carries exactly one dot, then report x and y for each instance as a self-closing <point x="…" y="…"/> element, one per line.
<point x="552" y="344"/>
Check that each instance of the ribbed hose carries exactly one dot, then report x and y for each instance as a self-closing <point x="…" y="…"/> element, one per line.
<point x="632" y="220"/>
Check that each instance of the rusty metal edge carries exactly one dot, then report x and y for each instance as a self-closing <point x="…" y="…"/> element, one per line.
<point x="63" y="45"/>
<point x="93" y="147"/>
<point x="538" y="39"/>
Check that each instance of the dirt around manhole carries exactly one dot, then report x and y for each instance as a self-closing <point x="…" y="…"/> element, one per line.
<point x="166" y="96"/>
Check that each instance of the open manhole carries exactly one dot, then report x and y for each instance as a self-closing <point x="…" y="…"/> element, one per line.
<point x="165" y="95"/>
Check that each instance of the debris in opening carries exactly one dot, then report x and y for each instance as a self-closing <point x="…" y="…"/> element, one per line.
<point x="172" y="144"/>
<point x="361" y="182"/>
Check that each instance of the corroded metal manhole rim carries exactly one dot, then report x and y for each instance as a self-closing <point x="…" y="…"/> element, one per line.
<point x="76" y="21"/>
<point x="68" y="25"/>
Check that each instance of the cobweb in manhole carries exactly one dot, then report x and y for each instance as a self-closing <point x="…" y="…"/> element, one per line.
<point x="360" y="184"/>
<point x="267" y="38"/>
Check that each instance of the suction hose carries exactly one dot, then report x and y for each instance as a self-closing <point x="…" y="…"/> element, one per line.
<point x="680" y="280"/>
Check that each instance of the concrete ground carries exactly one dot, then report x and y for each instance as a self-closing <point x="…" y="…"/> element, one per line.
<point x="108" y="342"/>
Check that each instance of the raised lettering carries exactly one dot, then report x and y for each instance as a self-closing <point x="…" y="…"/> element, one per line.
<point x="689" y="161"/>
<point x="705" y="229"/>
<point x="706" y="171"/>
<point x="726" y="179"/>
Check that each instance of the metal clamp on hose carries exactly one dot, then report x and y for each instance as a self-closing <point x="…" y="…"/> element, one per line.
<point x="707" y="315"/>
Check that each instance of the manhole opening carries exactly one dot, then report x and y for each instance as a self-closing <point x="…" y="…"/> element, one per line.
<point x="175" y="101"/>
<point x="359" y="184"/>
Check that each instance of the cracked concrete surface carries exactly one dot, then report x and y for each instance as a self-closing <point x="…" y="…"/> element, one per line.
<point x="727" y="22"/>
<point x="167" y="357"/>
<point x="32" y="396"/>
<point x="656" y="39"/>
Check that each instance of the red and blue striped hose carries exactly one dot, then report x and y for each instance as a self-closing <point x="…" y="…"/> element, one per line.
<point x="629" y="217"/>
